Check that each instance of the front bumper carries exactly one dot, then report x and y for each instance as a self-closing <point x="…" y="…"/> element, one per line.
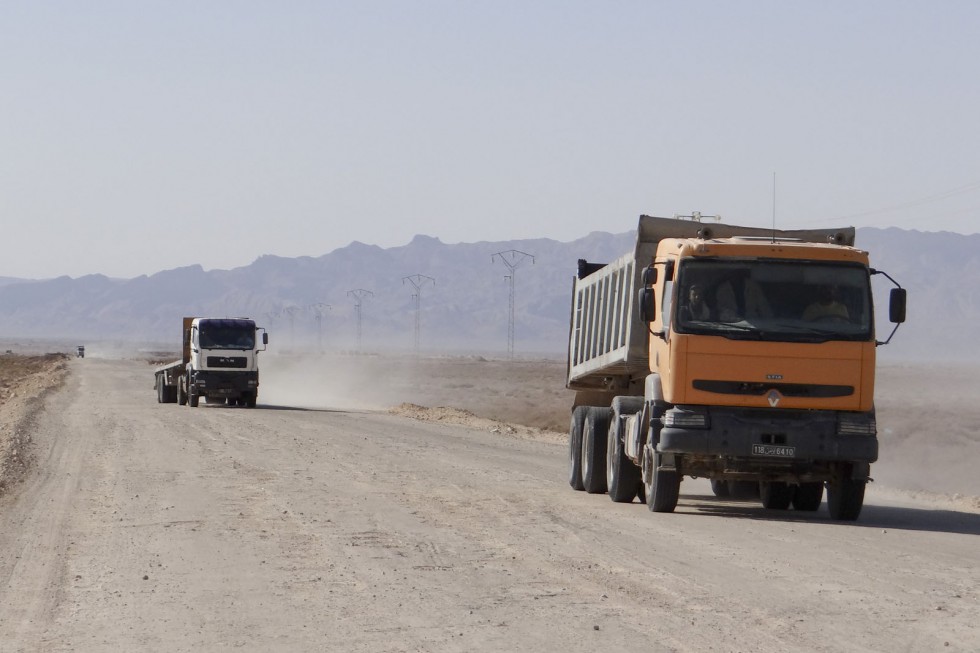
<point x="771" y="438"/>
<point x="224" y="384"/>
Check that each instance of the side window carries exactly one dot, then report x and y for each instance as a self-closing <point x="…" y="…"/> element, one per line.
<point x="666" y="305"/>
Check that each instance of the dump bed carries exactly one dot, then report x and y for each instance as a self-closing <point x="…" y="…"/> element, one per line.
<point x="606" y="339"/>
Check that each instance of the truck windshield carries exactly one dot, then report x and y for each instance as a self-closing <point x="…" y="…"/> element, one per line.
<point x="226" y="334"/>
<point x="798" y="301"/>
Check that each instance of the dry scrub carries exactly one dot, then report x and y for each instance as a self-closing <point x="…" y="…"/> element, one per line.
<point x="24" y="380"/>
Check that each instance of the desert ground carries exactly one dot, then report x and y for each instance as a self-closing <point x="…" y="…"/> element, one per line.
<point x="395" y="503"/>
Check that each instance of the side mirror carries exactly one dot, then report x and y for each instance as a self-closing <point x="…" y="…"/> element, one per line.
<point x="647" y="304"/>
<point x="649" y="276"/>
<point x="265" y="338"/>
<point x="896" y="305"/>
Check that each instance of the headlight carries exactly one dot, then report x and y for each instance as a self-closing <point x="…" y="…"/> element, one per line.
<point x="856" y="424"/>
<point x="686" y="418"/>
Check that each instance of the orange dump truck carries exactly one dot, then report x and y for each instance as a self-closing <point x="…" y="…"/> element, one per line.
<point x="739" y="354"/>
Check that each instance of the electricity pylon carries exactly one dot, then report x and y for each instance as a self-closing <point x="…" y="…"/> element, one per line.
<point x="290" y="312"/>
<point x="318" y="309"/>
<point x="359" y="294"/>
<point x="513" y="259"/>
<point x="417" y="281"/>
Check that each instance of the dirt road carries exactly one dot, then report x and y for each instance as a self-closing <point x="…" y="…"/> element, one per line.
<point x="149" y="527"/>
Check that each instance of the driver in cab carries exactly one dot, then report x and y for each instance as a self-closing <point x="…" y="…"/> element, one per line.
<point x="827" y="306"/>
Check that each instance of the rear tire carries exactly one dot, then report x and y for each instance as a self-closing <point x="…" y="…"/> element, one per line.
<point x="720" y="488"/>
<point x="594" y="449"/>
<point x="808" y="496"/>
<point x="250" y="400"/>
<point x="575" y="447"/>
<point x="845" y="498"/>
<point x="181" y="394"/>
<point x="623" y="478"/>
<point x="743" y="489"/>
<point x="775" y="495"/>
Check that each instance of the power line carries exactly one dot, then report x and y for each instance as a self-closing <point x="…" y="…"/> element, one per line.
<point x="513" y="259"/>
<point x="318" y="318"/>
<point x="959" y="190"/>
<point x="359" y="294"/>
<point x="417" y="281"/>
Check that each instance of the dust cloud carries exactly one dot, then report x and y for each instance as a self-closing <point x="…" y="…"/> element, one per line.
<point x="527" y="392"/>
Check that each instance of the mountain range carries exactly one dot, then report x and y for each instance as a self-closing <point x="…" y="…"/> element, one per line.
<point x="461" y="293"/>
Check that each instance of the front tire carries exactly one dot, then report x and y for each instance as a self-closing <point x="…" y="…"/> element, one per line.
<point x="662" y="487"/>
<point x="594" y="449"/>
<point x="845" y="498"/>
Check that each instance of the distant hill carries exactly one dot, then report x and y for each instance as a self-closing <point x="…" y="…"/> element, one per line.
<point x="466" y="309"/>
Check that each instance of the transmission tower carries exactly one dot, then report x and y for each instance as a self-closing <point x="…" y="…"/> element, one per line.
<point x="513" y="259"/>
<point x="359" y="294"/>
<point x="417" y="281"/>
<point x="318" y="309"/>
<point x="290" y="312"/>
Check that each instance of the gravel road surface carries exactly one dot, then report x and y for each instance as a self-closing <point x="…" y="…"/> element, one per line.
<point x="155" y="527"/>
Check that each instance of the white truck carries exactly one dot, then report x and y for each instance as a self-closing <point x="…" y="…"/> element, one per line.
<point x="219" y="363"/>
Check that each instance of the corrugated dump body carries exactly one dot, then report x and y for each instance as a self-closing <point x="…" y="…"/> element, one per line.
<point x="606" y="340"/>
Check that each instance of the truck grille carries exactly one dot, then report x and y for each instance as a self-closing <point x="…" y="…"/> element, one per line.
<point x="787" y="389"/>
<point x="239" y="362"/>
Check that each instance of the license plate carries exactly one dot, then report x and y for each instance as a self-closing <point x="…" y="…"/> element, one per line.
<point x="773" y="451"/>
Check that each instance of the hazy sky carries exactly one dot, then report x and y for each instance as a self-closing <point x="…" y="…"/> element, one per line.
<point x="142" y="136"/>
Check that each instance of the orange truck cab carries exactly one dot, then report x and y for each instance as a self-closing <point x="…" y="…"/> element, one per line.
<point x="738" y="354"/>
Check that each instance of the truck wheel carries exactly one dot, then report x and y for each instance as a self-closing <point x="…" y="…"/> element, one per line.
<point x="575" y="447"/>
<point x="181" y="394"/>
<point x="159" y="392"/>
<point x="845" y="497"/>
<point x="594" y="449"/>
<point x="250" y="401"/>
<point x="775" y="495"/>
<point x="664" y="486"/>
<point x="807" y="496"/>
<point x="743" y="489"/>
<point x="720" y="488"/>
<point x="622" y="476"/>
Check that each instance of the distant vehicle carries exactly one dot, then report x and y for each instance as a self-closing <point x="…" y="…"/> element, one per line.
<point x="737" y="354"/>
<point x="219" y="363"/>
<point x="80" y="351"/>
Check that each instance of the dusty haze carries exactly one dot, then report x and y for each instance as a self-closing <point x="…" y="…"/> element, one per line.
<point x="928" y="417"/>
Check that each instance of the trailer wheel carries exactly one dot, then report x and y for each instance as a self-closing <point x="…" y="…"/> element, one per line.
<point x="845" y="497"/>
<point x="807" y="496"/>
<point x="622" y="476"/>
<point x="594" y="449"/>
<point x="775" y="495"/>
<point x="575" y="447"/>
<point x="662" y="487"/>
<point x="181" y="392"/>
<point x="159" y="392"/>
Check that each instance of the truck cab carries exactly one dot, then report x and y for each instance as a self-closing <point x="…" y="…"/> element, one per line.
<point x="221" y="358"/>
